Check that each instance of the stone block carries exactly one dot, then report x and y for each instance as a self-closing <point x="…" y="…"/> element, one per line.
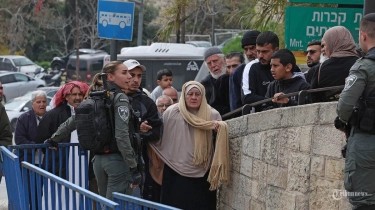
<point x="235" y="152"/>
<point x="284" y="154"/>
<point x="277" y="176"/>
<point x="269" y="146"/>
<point x="299" y="115"/>
<point x="254" y="205"/>
<point x="264" y="120"/>
<point x="237" y="127"/>
<point x="327" y="113"/>
<point x="279" y="200"/>
<point x="321" y="194"/>
<point x="258" y="190"/>
<point x="224" y="206"/>
<point x="335" y="168"/>
<point x="344" y="204"/>
<point x="251" y="145"/>
<point x="296" y="138"/>
<point x="298" y="172"/>
<point x="302" y="201"/>
<point x="259" y="171"/>
<point x="246" y="166"/>
<point x="327" y="141"/>
<point x="317" y="166"/>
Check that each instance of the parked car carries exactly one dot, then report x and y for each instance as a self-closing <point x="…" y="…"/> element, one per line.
<point x="225" y="42"/>
<point x="18" y="106"/>
<point x="60" y="62"/>
<point x="16" y="84"/>
<point x="18" y="63"/>
<point x="50" y="91"/>
<point x="89" y="65"/>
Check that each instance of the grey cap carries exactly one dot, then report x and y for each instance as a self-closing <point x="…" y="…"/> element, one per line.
<point x="212" y="51"/>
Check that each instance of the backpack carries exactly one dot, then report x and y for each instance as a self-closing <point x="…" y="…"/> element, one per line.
<point x="93" y="119"/>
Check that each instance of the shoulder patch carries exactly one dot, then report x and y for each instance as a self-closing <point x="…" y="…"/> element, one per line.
<point x="123" y="112"/>
<point x="350" y="81"/>
<point x="356" y="66"/>
<point x="124" y="100"/>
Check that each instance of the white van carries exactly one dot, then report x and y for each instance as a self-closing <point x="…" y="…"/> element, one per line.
<point x="184" y="60"/>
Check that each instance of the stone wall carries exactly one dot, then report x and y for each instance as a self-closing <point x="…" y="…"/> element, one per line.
<point x="284" y="159"/>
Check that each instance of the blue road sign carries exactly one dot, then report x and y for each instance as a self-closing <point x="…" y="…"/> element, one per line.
<point x="115" y="19"/>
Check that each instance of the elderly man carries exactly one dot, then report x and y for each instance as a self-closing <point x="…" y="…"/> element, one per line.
<point x="172" y="93"/>
<point x="217" y="82"/>
<point x="235" y="81"/>
<point x="151" y="123"/>
<point x="163" y="102"/>
<point x="27" y="123"/>
<point x="312" y="58"/>
<point x="66" y="99"/>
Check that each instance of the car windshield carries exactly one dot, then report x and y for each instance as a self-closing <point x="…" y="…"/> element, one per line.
<point x="14" y="105"/>
<point x="22" y="61"/>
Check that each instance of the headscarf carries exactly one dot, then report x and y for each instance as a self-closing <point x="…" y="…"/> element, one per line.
<point x="203" y="126"/>
<point x="66" y="89"/>
<point x="340" y="42"/>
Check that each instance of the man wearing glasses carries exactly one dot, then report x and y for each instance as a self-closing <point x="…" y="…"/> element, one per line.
<point x="312" y="58"/>
<point x="163" y="102"/>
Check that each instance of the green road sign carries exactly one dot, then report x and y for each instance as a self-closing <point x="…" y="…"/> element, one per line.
<point x="329" y="1"/>
<point x="304" y="24"/>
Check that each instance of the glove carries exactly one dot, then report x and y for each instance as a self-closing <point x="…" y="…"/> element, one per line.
<point x="137" y="177"/>
<point x="52" y="143"/>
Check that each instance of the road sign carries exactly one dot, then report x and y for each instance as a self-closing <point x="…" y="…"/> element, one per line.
<point x="304" y="24"/>
<point x="360" y="2"/>
<point x="115" y="19"/>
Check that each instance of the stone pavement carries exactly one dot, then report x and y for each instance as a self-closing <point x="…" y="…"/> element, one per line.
<point x="3" y="196"/>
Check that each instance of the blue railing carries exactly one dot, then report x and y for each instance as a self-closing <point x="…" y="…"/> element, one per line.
<point x="55" y="198"/>
<point x="130" y="202"/>
<point x="36" y="188"/>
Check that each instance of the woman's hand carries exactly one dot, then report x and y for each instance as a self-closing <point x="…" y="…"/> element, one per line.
<point x="216" y="125"/>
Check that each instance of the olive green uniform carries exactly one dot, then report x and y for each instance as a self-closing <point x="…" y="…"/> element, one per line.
<point x="111" y="170"/>
<point x="360" y="156"/>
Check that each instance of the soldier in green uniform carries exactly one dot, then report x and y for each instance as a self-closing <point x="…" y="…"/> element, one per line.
<point x="356" y="107"/>
<point x="115" y="171"/>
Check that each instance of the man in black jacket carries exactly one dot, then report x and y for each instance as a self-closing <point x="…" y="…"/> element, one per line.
<point x="312" y="58"/>
<point x="260" y="75"/>
<point x="150" y="127"/>
<point x="66" y="99"/>
<point x="283" y="65"/>
<point x="216" y="82"/>
<point x="235" y="80"/>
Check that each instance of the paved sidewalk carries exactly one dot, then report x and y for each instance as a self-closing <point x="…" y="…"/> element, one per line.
<point x="3" y="195"/>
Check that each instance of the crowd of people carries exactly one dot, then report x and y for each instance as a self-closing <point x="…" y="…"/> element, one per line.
<point x="185" y="143"/>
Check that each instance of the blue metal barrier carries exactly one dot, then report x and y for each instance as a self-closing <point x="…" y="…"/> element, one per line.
<point x="40" y="180"/>
<point x="130" y="202"/>
<point x="12" y="172"/>
<point x="66" y="160"/>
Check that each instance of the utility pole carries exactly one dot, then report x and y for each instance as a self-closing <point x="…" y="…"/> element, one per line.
<point x="77" y="40"/>
<point x="140" y="23"/>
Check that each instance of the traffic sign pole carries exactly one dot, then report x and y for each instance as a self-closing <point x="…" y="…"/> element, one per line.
<point x="113" y="50"/>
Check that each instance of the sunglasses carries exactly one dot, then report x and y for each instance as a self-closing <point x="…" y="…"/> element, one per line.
<point x="309" y="51"/>
<point x="1" y="88"/>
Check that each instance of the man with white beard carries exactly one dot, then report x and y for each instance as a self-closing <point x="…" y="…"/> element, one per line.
<point x="216" y="82"/>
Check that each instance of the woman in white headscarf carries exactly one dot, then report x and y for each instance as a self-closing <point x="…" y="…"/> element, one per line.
<point x="193" y="167"/>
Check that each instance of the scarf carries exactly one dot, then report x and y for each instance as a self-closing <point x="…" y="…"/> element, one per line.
<point x="203" y="126"/>
<point x="66" y="89"/>
<point x="340" y="42"/>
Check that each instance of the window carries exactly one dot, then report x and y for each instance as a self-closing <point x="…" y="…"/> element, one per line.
<point x="23" y="61"/>
<point x="7" y="79"/>
<point x="6" y="60"/>
<point x="21" y="78"/>
<point x="97" y="65"/>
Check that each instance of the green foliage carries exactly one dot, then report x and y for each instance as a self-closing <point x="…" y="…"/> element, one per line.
<point x="43" y="64"/>
<point x="233" y="45"/>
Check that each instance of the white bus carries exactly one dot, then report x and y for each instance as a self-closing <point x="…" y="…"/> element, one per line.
<point x="113" y="18"/>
